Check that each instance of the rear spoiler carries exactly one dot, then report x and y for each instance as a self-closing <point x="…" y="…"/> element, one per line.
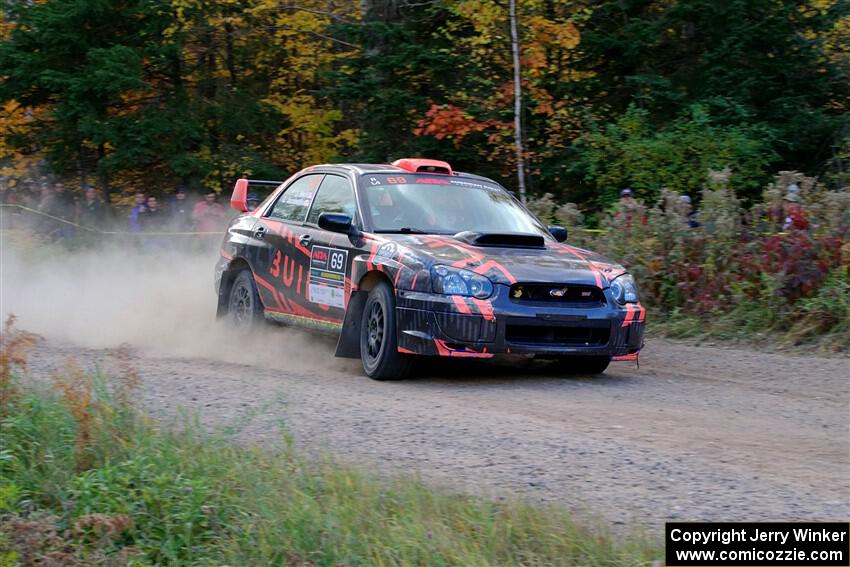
<point x="240" y="192"/>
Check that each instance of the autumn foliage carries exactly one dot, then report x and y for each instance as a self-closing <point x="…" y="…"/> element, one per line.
<point x="148" y="95"/>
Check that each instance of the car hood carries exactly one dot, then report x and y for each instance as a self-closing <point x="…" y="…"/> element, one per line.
<point x="553" y="263"/>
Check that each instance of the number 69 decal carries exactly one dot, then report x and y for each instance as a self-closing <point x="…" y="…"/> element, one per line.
<point x="327" y="276"/>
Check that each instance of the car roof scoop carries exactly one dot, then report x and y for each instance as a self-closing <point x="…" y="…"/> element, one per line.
<point x="501" y="239"/>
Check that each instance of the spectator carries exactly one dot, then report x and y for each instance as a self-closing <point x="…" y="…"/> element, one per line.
<point x="180" y="212"/>
<point x="47" y="225"/>
<point x="29" y="195"/>
<point x="90" y="213"/>
<point x="59" y="204"/>
<point x="153" y="219"/>
<point x="63" y="203"/>
<point x="136" y="213"/>
<point x="208" y="215"/>
<point x="46" y="198"/>
<point x="66" y="208"/>
<point x="691" y="215"/>
<point x="252" y="202"/>
<point x="795" y="216"/>
<point x="628" y="209"/>
<point x="7" y="197"/>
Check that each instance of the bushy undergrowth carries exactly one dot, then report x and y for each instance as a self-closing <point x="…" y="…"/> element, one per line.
<point x="738" y="275"/>
<point x="85" y="480"/>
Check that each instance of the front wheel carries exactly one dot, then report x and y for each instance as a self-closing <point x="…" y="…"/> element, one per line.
<point x="244" y="310"/>
<point x="378" y="341"/>
<point x="584" y="364"/>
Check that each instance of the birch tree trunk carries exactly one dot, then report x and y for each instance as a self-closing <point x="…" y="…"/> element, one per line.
<point x="520" y="153"/>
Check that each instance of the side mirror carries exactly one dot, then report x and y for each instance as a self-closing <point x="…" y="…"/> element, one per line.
<point x="239" y="196"/>
<point x="335" y="222"/>
<point x="559" y="232"/>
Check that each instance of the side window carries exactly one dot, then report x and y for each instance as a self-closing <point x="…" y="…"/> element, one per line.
<point x="335" y="196"/>
<point x="292" y="205"/>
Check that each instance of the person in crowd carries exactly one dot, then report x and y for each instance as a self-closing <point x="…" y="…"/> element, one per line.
<point x="153" y="219"/>
<point x="208" y="215"/>
<point x="252" y="201"/>
<point x="795" y="216"/>
<point x="691" y="214"/>
<point x="180" y="211"/>
<point x="29" y="195"/>
<point x="7" y="197"/>
<point x="627" y="209"/>
<point x="47" y="225"/>
<point x="64" y="205"/>
<point x="46" y="198"/>
<point x="91" y="212"/>
<point x="137" y="211"/>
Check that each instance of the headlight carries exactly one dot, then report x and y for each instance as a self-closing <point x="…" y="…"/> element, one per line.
<point x="455" y="281"/>
<point x="624" y="289"/>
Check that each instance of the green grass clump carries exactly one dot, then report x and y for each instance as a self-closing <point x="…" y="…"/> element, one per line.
<point x="84" y="478"/>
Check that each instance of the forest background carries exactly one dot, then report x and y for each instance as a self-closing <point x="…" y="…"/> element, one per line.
<point x="727" y="102"/>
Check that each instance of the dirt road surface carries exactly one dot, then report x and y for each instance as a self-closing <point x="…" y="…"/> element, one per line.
<point x="696" y="433"/>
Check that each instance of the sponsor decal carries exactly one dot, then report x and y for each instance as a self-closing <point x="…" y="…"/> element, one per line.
<point x="432" y="181"/>
<point x="327" y="276"/>
<point x="464" y="183"/>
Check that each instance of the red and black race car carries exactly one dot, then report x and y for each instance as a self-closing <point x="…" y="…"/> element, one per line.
<point x="416" y="259"/>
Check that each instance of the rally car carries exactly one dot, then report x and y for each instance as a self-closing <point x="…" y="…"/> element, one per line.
<point x="414" y="259"/>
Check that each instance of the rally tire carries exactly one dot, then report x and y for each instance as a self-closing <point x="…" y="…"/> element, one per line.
<point x="244" y="310"/>
<point x="378" y="340"/>
<point x="584" y="364"/>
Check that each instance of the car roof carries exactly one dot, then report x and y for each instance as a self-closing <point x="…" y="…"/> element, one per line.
<point x="366" y="168"/>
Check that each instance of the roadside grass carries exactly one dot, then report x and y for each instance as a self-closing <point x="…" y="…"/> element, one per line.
<point x="85" y="479"/>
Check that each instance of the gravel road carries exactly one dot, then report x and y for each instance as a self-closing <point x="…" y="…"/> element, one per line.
<point x="696" y="433"/>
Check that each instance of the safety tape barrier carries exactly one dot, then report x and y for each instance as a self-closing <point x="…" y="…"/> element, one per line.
<point x="106" y="232"/>
<point x="98" y="231"/>
<point x="192" y="233"/>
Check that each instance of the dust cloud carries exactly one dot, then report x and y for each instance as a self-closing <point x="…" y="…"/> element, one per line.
<point x="161" y="302"/>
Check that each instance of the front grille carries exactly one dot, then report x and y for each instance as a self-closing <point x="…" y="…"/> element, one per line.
<point x="559" y="335"/>
<point x="571" y="295"/>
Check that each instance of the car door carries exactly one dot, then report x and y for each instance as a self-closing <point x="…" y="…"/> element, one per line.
<point x="283" y="256"/>
<point x="330" y="252"/>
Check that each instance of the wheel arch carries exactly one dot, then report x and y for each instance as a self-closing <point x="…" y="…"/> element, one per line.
<point x="227" y="278"/>
<point x="348" y="345"/>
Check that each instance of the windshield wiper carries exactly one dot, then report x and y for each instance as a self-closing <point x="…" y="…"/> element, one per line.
<point x="405" y="230"/>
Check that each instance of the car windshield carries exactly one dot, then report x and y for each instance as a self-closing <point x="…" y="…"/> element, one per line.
<point x="439" y="204"/>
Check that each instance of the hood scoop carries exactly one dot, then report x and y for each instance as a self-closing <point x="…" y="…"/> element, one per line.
<point x="501" y="240"/>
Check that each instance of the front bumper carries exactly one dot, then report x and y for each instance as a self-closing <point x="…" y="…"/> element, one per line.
<point x="439" y="325"/>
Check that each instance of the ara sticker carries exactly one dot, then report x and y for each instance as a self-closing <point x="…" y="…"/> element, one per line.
<point x="327" y="276"/>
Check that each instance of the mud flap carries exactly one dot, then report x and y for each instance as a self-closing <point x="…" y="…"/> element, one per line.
<point x="348" y="345"/>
